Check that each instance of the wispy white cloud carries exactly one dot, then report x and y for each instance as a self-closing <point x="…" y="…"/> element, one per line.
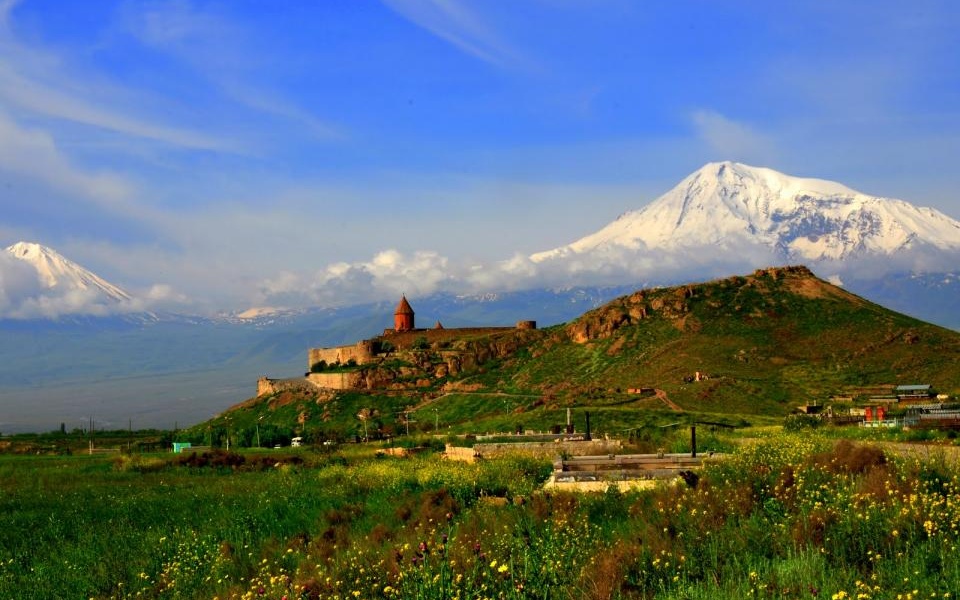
<point x="35" y="97"/>
<point x="43" y="84"/>
<point x="179" y="22"/>
<point x="34" y="153"/>
<point x="733" y="140"/>
<point x="6" y="6"/>
<point x="453" y="22"/>
<point x="18" y="283"/>
<point x="271" y="103"/>
<point x="221" y="51"/>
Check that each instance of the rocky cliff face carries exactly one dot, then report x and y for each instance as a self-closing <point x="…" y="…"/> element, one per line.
<point x="424" y="368"/>
<point x="674" y="304"/>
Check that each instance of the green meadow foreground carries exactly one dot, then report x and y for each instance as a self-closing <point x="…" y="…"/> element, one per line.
<point x="784" y="516"/>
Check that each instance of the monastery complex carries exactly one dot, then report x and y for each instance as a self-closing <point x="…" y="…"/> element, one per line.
<point x="402" y="356"/>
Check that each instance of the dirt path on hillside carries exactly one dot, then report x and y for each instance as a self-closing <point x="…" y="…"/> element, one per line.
<point x="428" y="401"/>
<point x="662" y="396"/>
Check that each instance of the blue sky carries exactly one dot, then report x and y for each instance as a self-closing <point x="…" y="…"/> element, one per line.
<point x="246" y="153"/>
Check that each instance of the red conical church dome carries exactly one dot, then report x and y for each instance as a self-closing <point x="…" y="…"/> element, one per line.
<point x="403" y="316"/>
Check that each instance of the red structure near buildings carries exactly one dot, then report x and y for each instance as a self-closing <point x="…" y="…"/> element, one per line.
<point x="403" y="316"/>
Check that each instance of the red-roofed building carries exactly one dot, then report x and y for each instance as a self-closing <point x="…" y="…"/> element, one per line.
<point x="403" y="316"/>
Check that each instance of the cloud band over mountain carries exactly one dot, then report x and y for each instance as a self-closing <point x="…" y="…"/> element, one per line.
<point x="724" y="218"/>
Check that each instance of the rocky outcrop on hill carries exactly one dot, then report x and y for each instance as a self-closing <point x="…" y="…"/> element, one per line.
<point x="415" y="369"/>
<point x="674" y="304"/>
<point x="605" y="321"/>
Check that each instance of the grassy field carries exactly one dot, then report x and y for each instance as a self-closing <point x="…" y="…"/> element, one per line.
<point x="785" y="516"/>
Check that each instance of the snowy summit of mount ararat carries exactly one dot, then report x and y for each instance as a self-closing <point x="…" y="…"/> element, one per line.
<point x="728" y="205"/>
<point x="58" y="273"/>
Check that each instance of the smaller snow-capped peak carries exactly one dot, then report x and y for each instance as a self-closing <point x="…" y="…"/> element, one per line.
<point x="258" y="312"/>
<point x="57" y="272"/>
<point x="730" y="205"/>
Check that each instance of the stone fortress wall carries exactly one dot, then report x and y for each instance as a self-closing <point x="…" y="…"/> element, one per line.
<point x="363" y="352"/>
<point x="429" y="353"/>
<point x="267" y="386"/>
<point x="370" y="351"/>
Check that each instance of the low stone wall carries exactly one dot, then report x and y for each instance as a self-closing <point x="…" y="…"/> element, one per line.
<point x="459" y="453"/>
<point x="548" y="449"/>
<point x="267" y="386"/>
<point x="362" y="353"/>
<point x="337" y="381"/>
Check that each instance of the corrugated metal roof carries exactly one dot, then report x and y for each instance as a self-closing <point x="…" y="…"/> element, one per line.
<point x="913" y="388"/>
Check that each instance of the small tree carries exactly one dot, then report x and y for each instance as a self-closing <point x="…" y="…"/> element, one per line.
<point x="421" y="343"/>
<point x="365" y="415"/>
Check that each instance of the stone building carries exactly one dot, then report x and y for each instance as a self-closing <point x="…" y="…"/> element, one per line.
<point x="403" y="316"/>
<point x="453" y="351"/>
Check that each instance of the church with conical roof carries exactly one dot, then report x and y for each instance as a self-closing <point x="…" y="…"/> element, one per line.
<point x="339" y="367"/>
<point x="403" y="316"/>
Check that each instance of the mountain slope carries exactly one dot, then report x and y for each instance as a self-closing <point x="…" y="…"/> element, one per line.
<point x="733" y="206"/>
<point x="729" y="217"/>
<point x="61" y="274"/>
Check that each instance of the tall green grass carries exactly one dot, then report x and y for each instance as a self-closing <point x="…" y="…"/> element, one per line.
<point x="786" y="516"/>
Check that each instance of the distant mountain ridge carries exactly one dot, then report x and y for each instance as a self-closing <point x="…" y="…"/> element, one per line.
<point x="730" y="205"/>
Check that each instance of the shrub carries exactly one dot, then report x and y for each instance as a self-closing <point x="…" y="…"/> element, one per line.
<point x="801" y="422"/>
<point x="140" y="464"/>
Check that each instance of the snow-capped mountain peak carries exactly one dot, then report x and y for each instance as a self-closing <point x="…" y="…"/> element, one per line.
<point x="729" y="205"/>
<point x="59" y="273"/>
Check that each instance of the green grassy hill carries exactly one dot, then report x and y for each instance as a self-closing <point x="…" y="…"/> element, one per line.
<point x="765" y="342"/>
<point x="762" y="344"/>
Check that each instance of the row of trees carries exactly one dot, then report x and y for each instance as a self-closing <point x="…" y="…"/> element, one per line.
<point x="264" y="435"/>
